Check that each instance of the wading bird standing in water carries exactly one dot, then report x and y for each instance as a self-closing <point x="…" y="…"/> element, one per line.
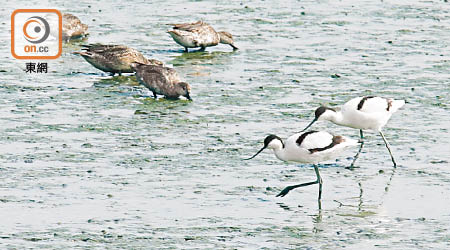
<point x="309" y="147"/>
<point x="161" y="80"/>
<point x="73" y="28"/>
<point x="369" y="112"/>
<point x="199" y="35"/>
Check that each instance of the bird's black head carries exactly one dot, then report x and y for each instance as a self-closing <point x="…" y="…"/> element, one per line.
<point x="267" y="141"/>
<point x="319" y="111"/>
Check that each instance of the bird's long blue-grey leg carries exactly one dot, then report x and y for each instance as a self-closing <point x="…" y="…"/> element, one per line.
<point x="318" y="181"/>
<point x="359" y="151"/>
<point x="389" y="149"/>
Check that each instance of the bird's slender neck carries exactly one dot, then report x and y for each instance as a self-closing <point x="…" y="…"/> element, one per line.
<point x="336" y="117"/>
<point x="280" y="153"/>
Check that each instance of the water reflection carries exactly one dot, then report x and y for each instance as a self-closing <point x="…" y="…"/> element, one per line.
<point x="361" y="192"/>
<point x="284" y="206"/>
<point x="76" y="41"/>
<point x="203" y="58"/>
<point x="360" y="196"/>
<point x="317" y="221"/>
<point x="388" y="184"/>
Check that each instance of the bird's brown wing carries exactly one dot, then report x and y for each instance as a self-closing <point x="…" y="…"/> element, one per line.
<point x="102" y="48"/>
<point x="152" y="77"/>
<point x="187" y="26"/>
<point x="73" y="24"/>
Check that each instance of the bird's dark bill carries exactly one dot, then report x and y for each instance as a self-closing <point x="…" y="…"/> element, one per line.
<point x="313" y="121"/>
<point x="256" y="154"/>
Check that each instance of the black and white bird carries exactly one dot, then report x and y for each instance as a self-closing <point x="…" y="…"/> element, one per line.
<point x="309" y="147"/>
<point x="363" y="113"/>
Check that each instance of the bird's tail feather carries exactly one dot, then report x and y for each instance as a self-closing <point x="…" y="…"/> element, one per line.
<point x="397" y="104"/>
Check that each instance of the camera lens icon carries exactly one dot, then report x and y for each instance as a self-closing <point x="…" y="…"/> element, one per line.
<point x="36" y="29"/>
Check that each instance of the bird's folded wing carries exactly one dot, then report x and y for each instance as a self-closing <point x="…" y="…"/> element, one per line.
<point x="187" y="26"/>
<point x="317" y="140"/>
<point x="153" y="78"/>
<point x="374" y="105"/>
<point x="101" y="48"/>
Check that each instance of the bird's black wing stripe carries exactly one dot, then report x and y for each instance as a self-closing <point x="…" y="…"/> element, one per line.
<point x="361" y="103"/>
<point x="336" y="140"/>
<point x="303" y="136"/>
<point x="389" y="104"/>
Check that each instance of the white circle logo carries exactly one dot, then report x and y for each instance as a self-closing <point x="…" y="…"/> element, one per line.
<point x="36" y="29"/>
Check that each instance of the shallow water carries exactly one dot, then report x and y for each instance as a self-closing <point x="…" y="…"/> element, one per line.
<point x="90" y="161"/>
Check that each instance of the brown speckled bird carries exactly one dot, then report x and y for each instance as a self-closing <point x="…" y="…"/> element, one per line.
<point x="114" y="58"/>
<point x="161" y="81"/>
<point x="199" y="35"/>
<point x="72" y="27"/>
